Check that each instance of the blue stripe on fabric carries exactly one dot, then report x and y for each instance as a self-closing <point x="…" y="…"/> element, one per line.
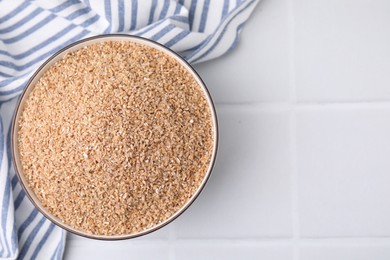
<point x="14" y="239"/>
<point x="121" y="15"/>
<point x="225" y="9"/>
<point x="62" y="248"/>
<point x="14" y="90"/>
<point x="203" y="18"/>
<point x="134" y="9"/>
<point x="208" y="39"/>
<point x="22" y="21"/>
<point x="51" y="39"/>
<point x="27" y="222"/>
<point x="154" y="25"/>
<point x="90" y="21"/>
<point x="4" y="213"/>
<point x="5" y="82"/>
<point x="59" y="249"/>
<point x="179" y="5"/>
<point x="19" y="199"/>
<point x="11" y="65"/>
<point x="14" y="181"/>
<point x="152" y="10"/>
<point x="7" y="191"/>
<point x="42" y="44"/>
<point x="150" y="27"/>
<point x="107" y="11"/>
<point x="87" y="3"/>
<point x="62" y="6"/>
<point x="236" y="40"/>
<point x="14" y="12"/>
<point x="179" y="18"/>
<point x="192" y="13"/>
<point x="7" y="98"/>
<point x="54" y="256"/>
<point x="223" y="32"/>
<point x="9" y="148"/>
<point x="2" y="248"/>
<point x="163" y="31"/>
<point x="38" y="59"/>
<point x="30" y="238"/>
<point x="5" y="75"/>
<point x="30" y="30"/>
<point x="197" y="46"/>
<point x="43" y="241"/>
<point x="164" y="9"/>
<point x="177" y="38"/>
<point x="6" y="53"/>
<point x="78" y="13"/>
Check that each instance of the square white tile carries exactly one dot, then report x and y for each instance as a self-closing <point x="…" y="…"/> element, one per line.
<point x="248" y="194"/>
<point x="342" y="50"/>
<point x="258" y="69"/>
<point x="343" y="168"/>
<point x="232" y="252"/>
<point x="361" y="252"/>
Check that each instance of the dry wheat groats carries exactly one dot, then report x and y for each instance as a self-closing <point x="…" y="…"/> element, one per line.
<point x="115" y="138"/>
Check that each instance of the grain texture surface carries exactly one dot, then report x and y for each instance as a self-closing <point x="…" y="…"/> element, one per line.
<point x="115" y="138"/>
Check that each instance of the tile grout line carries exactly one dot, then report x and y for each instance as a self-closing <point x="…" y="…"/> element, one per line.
<point x="327" y="241"/>
<point x="171" y="242"/>
<point x="293" y="132"/>
<point x="294" y="188"/>
<point x="307" y="105"/>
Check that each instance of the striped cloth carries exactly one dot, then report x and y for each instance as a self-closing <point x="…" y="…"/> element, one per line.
<point x="31" y="31"/>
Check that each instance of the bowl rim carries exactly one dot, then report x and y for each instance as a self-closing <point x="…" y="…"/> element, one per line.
<point x="46" y="65"/>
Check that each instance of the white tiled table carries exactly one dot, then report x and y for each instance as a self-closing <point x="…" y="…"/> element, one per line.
<point x="304" y="165"/>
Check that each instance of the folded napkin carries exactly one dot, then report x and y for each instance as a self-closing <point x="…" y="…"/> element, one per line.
<point x="31" y="31"/>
